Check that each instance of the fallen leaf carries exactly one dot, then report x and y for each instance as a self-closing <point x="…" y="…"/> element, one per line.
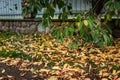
<point x="3" y="71"/>
<point x="1" y="78"/>
<point x="87" y="79"/>
<point x="118" y="79"/>
<point x="114" y="72"/>
<point x="73" y="79"/>
<point x="53" y="78"/>
<point x="56" y="67"/>
<point x="0" y="48"/>
<point x="44" y="70"/>
<point x="104" y="79"/>
<point x="65" y="66"/>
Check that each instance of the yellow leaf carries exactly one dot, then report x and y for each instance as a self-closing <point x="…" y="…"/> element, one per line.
<point x="100" y="73"/>
<point x="87" y="79"/>
<point x="116" y="11"/>
<point x="84" y="58"/>
<point x="108" y="17"/>
<point x="0" y="48"/>
<point x="51" y="5"/>
<point x="104" y="79"/>
<point x="85" y="22"/>
<point x="53" y="78"/>
<point x="114" y="72"/>
<point x="56" y="67"/>
<point x="65" y="66"/>
<point x="77" y="24"/>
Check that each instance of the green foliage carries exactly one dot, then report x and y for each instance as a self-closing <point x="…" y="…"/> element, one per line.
<point x="49" y="9"/>
<point x="113" y="6"/>
<point x="63" y="31"/>
<point x="91" y="30"/>
<point x="89" y="27"/>
<point x="112" y="9"/>
<point x="33" y="7"/>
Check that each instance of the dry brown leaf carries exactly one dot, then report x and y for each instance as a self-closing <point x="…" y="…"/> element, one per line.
<point x="44" y="70"/>
<point x="6" y="60"/>
<point x="56" y="68"/>
<point x="73" y="79"/>
<point x="87" y="79"/>
<point x="23" y="74"/>
<point x="76" y="69"/>
<point x="118" y="79"/>
<point x="10" y="77"/>
<point x="104" y="79"/>
<point x="37" y="63"/>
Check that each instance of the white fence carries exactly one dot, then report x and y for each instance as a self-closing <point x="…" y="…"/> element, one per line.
<point x="12" y="9"/>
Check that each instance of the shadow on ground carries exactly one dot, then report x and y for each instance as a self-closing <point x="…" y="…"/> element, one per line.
<point x="13" y="73"/>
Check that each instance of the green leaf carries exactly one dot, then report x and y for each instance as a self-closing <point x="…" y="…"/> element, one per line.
<point x="81" y="25"/>
<point x="39" y="6"/>
<point x="105" y="38"/>
<point x="51" y="64"/>
<point x="38" y="19"/>
<point x="62" y="38"/>
<point x="70" y="63"/>
<point x="74" y="46"/>
<point x="115" y="67"/>
<point x="52" y="11"/>
<point x="60" y="15"/>
<point x="90" y="22"/>
<point x="61" y="4"/>
<point x="65" y="30"/>
<point x="71" y="28"/>
<point x="24" y="11"/>
<point x="57" y="36"/>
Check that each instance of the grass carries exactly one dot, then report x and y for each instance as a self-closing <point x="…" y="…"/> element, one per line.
<point x="14" y="54"/>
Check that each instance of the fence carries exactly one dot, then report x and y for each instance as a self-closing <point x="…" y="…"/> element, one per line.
<point x="12" y="9"/>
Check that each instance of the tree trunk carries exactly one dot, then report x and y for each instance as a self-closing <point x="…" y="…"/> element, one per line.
<point x="97" y="6"/>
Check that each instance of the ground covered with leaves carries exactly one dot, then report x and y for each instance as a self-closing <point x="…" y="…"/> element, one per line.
<point x="40" y="57"/>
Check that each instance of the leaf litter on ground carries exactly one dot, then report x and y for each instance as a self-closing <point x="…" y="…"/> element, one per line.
<point x="48" y="59"/>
